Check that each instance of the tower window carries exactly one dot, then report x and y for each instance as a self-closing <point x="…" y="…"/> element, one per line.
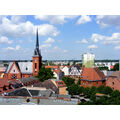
<point x="35" y="65"/>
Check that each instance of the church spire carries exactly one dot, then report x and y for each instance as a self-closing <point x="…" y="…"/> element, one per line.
<point x="37" y="39"/>
<point x="37" y="51"/>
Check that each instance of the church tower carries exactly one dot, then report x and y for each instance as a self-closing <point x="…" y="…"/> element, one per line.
<point x="37" y="58"/>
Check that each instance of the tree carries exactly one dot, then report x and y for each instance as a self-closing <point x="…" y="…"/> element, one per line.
<point x="108" y="90"/>
<point x="74" y="89"/>
<point x="79" y="81"/>
<point x="45" y="74"/>
<point x="68" y="81"/>
<point x="100" y="89"/>
<point x="115" y="93"/>
<point x="116" y="67"/>
<point x="103" y="68"/>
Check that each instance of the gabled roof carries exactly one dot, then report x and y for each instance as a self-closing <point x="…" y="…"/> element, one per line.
<point x="24" y="67"/>
<point x="48" y="84"/>
<point x="9" y="66"/>
<point x="92" y="74"/>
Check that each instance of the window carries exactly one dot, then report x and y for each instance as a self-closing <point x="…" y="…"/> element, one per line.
<point x="13" y="77"/>
<point x="35" y="65"/>
<point x="113" y="83"/>
<point x="26" y="68"/>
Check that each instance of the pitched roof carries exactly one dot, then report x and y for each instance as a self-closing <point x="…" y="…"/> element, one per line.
<point x="4" y="82"/>
<point x="52" y="66"/>
<point x="9" y="66"/>
<point x="92" y="74"/>
<point x="48" y="84"/>
<point x="24" y="67"/>
<point x="28" y="79"/>
<point x="116" y="74"/>
<point x="56" y="71"/>
<point x="19" y="92"/>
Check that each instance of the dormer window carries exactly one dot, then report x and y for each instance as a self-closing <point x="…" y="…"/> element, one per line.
<point x="26" y="68"/>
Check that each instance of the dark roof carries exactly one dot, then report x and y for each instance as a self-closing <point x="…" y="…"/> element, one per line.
<point x="29" y="79"/>
<point x="48" y="84"/>
<point x="19" y="92"/>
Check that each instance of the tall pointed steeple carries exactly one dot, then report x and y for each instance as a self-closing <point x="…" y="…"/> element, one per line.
<point x="37" y="58"/>
<point x="37" y="50"/>
<point x="37" y="39"/>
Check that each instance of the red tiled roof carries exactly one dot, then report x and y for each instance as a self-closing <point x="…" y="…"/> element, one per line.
<point x="92" y="74"/>
<point x="53" y="66"/>
<point x="4" y="82"/>
<point x="60" y="83"/>
<point x="57" y="71"/>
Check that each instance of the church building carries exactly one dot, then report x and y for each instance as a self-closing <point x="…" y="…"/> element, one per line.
<point x="17" y="70"/>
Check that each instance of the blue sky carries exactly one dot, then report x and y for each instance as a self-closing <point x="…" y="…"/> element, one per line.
<point x="60" y="36"/>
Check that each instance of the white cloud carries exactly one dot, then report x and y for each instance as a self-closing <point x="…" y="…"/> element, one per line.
<point x="107" y="20"/>
<point x="17" y="47"/>
<point x="18" y="18"/>
<point x="4" y="39"/>
<point x="65" y="51"/>
<point x="49" y="40"/>
<point x="55" y="19"/>
<point x="78" y="41"/>
<point x="113" y="39"/>
<point x="92" y="46"/>
<point x="47" y="29"/>
<point x="117" y="47"/>
<point x="45" y="46"/>
<point x="83" y="19"/>
<point x="12" y="48"/>
<point x="83" y="41"/>
<point x="21" y="29"/>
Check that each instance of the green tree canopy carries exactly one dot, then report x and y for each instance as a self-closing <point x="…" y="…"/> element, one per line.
<point x="79" y="81"/>
<point x="68" y="81"/>
<point x="103" y="68"/>
<point x="74" y="89"/>
<point x="116" y="67"/>
<point x="45" y="74"/>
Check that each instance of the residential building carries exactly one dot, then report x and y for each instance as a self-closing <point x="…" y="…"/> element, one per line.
<point x="113" y="81"/>
<point x="92" y="77"/>
<point x="62" y="87"/>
